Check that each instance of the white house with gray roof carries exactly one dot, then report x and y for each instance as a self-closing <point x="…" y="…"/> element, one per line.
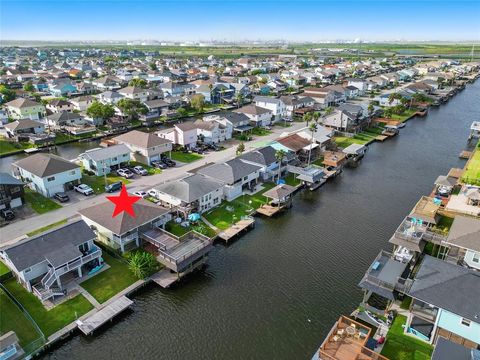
<point x="194" y="193"/>
<point x="265" y="158"/>
<point x="144" y="147"/>
<point x="102" y="161"/>
<point x="47" y="174"/>
<point x="235" y="174"/>
<point x="276" y="106"/>
<point x="463" y="241"/>
<point x="45" y="263"/>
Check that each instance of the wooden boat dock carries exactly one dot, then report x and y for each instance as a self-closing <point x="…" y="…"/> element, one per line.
<point x="164" y="278"/>
<point x="269" y="210"/>
<point x="381" y="138"/>
<point x="237" y="228"/>
<point x="465" y="154"/>
<point x="93" y="322"/>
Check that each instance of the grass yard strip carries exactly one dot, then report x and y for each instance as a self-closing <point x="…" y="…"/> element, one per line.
<point x="471" y="175"/>
<point x="185" y="157"/>
<point x="110" y="282"/>
<point x="97" y="183"/>
<point x="39" y="203"/>
<point x="47" y="227"/>
<point x="405" y="347"/>
<point x="199" y="226"/>
<point x="13" y="319"/>
<point x="3" y="269"/>
<point x="52" y="320"/>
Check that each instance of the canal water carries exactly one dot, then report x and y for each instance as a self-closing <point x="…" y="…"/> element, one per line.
<point x="276" y="292"/>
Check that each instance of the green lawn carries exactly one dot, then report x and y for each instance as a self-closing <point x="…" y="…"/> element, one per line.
<point x="52" y="320"/>
<point x="404" y="116"/>
<point x="39" y="203"/>
<point x="108" y="283"/>
<point x="229" y="213"/>
<point x="260" y="131"/>
<point x="97" y="183"/>
<point x="471" y="175"/>
<point x="343" y="141"/>
<point x="185" y="157"/>
<point x="3" y="269"/>
<point x="444" y="224"/>
<point x="200" y="226"/>
<point x="407" y="300"/>
<point x="47" y="227"/>
<point x="292" y="180"/>
<point x="12" y="146"/>
<point x="404" y="347"/>
<point x="13" y="319"/>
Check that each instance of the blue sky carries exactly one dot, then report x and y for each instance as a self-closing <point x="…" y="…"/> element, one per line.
<point x="239" y="20"/>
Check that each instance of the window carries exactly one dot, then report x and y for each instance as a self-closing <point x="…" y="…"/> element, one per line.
<point x="51" y="178"/>
<point x="73" y="172"/>
<point x="476" y="258"/>
<point x="245" y="178"/>
<point x="465" y="322"/>
<point x="14" y="189"/>
<point x="215" y="200"/>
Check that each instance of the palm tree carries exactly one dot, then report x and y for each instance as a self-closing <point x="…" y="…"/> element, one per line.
<point x="239" y="98"/>
<point x="316" y="116"/>
<point x="307" y="117"/>
<point x="328" y="111"/>
<point x="313" y="128"/>
<point x="279" y="155"/>
<point x="142" y="264"/>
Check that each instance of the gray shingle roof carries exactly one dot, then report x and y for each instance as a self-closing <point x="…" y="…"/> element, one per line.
<point x="448" y="286"/>
<point x="465" y="233"/>
<point x="145" y="212"/>
<point x="230" y="171"/>
<point x="264" y="156"/>
<point x="57" y="245"/>
<point x="448" y="350"/>
<point x="190" y="188"/>
<point x="107" y="152"/>
<point x="141" y="139"/>
<point x="45" y="164"/>
<point x="7" y="179"/>
<point x="23" y="124"/>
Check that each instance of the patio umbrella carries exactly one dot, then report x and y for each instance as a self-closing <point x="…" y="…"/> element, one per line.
<point x="194" y="217"/>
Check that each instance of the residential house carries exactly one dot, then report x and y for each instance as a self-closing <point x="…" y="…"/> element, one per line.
<point x="11" y="192"/>
<point x="445" y="303"/>
<point x="47" y="174"/>
<point x="294" y="102"/>
<point x="259" y="117"/>
<point x="211" y="130"/>
<point x="347" y="117"/>
<point x="59" y="105"/>
<point x="62" y="89"/>
<point x="81" y="103"/>
<point x="25" y="109"/>
<point x="64" y="118"/>
<point x="102" y="161"/>
<point x="107" y="83"/>
<point x="266" y="159"/>
<point x="45" y="263"/>
<point x="156" y="108"/>
<point x="134" y="93"/>
<point x="276" y="106"/>
<point x="323" y="97"/>
<point x="235" y="174"/>
<point x="144" y="147"/>
<point x="299" y="145"/>
<point x="238" y="122"/>
<point x="463" y="241"/>
<point x="184" y="134"/>
<point x="109" y="97"/>
<point x="123" y="231"/>
<point x="193" y="194"/>
<point x="24" y="128"/>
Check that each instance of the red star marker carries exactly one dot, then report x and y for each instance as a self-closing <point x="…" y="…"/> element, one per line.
<point x="123" y="202"/>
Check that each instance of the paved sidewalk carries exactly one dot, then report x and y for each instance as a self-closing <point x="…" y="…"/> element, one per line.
<point x="13" y="232"/>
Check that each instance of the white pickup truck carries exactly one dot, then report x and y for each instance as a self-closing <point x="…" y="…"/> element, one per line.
<point x="84" y="189"/>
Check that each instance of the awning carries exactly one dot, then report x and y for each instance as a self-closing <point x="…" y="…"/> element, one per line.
<point x="243" y="128"/>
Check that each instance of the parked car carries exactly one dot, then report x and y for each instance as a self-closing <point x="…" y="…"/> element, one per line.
<point x="7" y="214"/>
<point x="84" y="189"/>
<point x="169" y="162"/>
<point x="139" y="170"/>
<point x="142" y="194"/>
<point x="152" y="193"/>
<point x="62" y="197"/>
<point x="159" y="164"/>
<point x="127" y="174"/>
<point x="116" y="186"/>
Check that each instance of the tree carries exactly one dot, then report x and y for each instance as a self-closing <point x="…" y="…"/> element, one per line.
<point x="370" y="109"/>
<point x="132" y="108"/>
<point x="153" y="66"/>
<point x="239" y="98"/>
<point x="280" y="155"/>
<point x="100" y="111"/>
<point x="8" y="94"/>
<point x="387" y="113"/>
<point x="182" y="112"/>
<point x="142" y="264"/>
<point x="142" y="83"/>
<point x="316" y="116"/>
<point x="313" y="128"/>
<point x="307" y="117"/>
<point x="198" y="102"/>
<point x="28" y="87"/>
<point x="240" y="148"/>
<point x="328" y="111"/>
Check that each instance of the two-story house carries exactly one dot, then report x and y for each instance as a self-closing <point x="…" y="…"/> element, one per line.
<point x="144" y="147"/>
<point x="124" y="231"/>
<point x="235" y="174"/>
<point x="193" y="194"/>
<point x="134" y="93"/>
<point x="265" y="158"/>
<point x="276" y="106"/>
<point x="212" y="131"/>
<point x="25" y="109"/>
<point x="47" y="174"/>
<point x="45" y="263"/>
<point x="183" y="134"/>
<point x="463" y="241"/>
<point x="11" y="192"/>
<point x="102" y="161"/>
<point x="259" y="116"/>
<point x="24" y="127"/>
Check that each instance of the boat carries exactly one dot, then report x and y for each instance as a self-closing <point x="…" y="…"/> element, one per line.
<point x="31" y="150"/>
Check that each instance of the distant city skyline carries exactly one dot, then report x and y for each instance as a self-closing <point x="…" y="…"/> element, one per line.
<point x="236" y="21"/>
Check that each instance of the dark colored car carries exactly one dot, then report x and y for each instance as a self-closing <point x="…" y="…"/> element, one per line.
<point x="159" y="164"/>
<point x="116" y="186"/>
<point x="7" y="214"/>
<point x="62" y="197"/>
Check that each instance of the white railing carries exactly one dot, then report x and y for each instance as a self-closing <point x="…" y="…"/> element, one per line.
<point x="49" y="278"/>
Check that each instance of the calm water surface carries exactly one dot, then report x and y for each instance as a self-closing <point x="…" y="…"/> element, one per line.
<point x="276" y="292"/>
